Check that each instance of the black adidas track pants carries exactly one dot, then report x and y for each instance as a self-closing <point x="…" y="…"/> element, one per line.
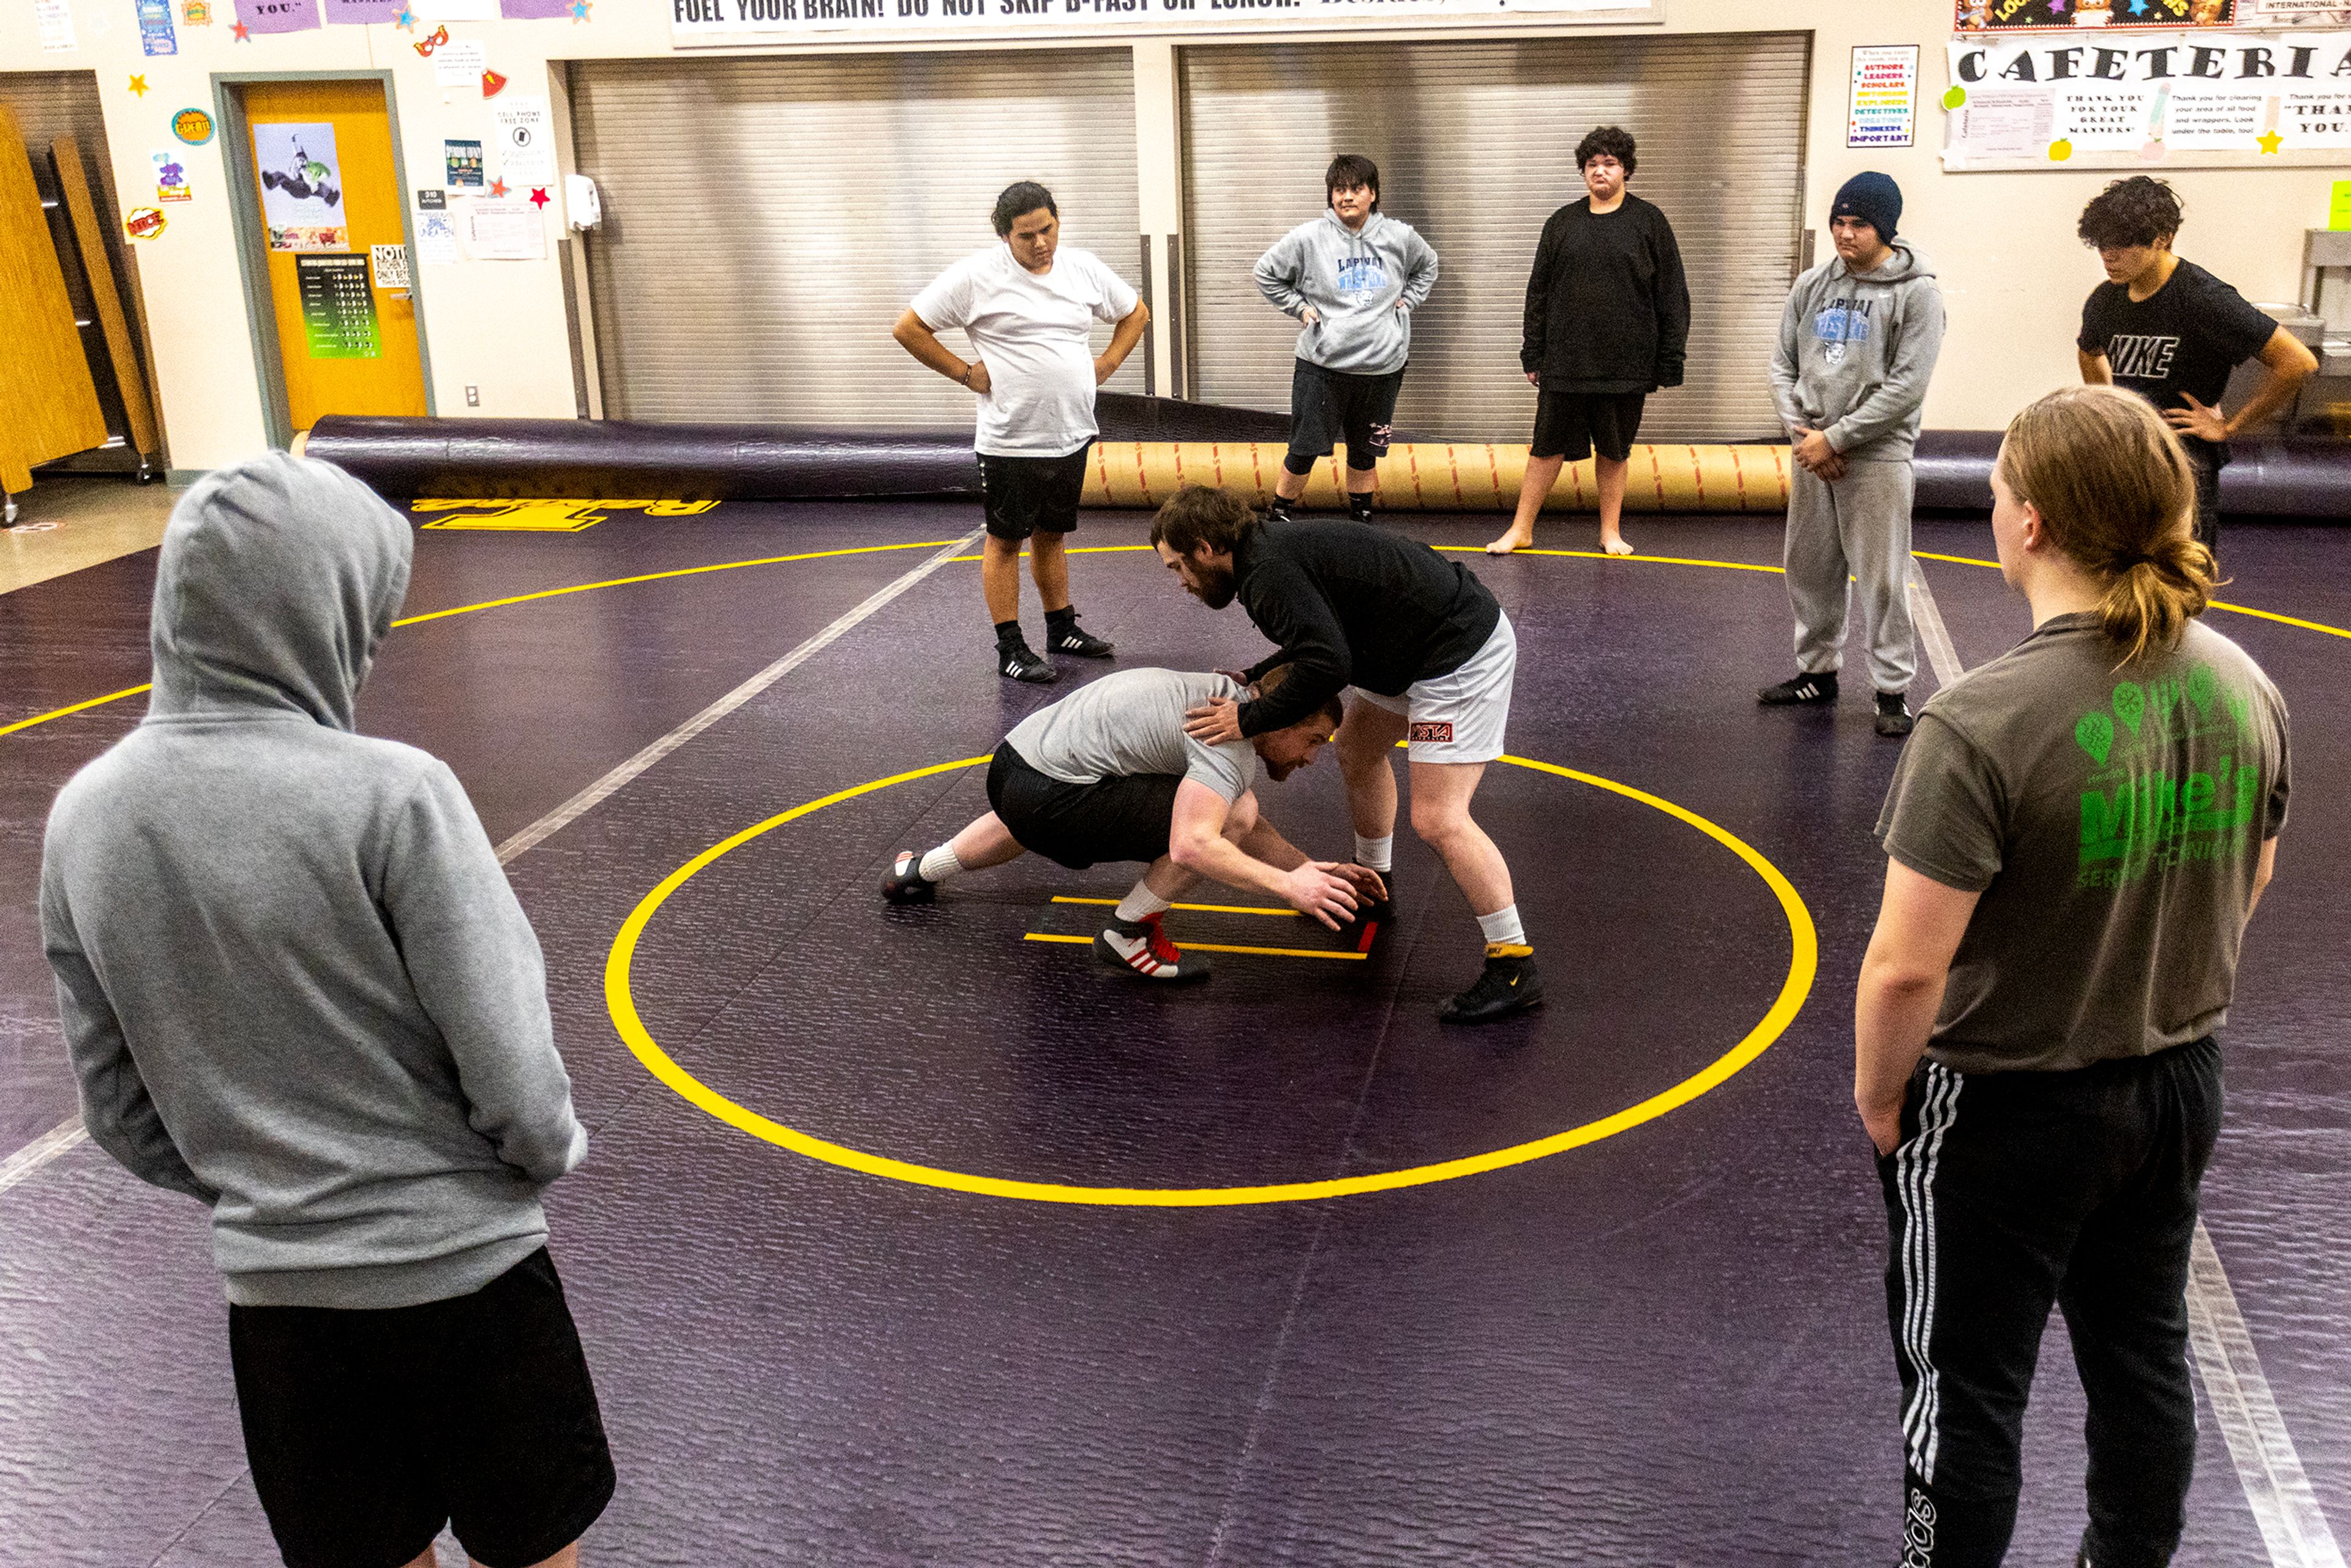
<point x="2012" y="1191"/>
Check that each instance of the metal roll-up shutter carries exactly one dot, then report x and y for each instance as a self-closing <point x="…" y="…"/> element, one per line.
<point x="767" y="220"/>
<point x="50" y="105"/>
<point x="1476" y="144"/>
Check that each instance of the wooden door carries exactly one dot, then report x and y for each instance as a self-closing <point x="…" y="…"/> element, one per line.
<point x="328" y="190"/>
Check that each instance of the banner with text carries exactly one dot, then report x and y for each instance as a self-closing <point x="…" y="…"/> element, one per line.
<point x="712" y="21"/>
<point x="2117" y="101"/>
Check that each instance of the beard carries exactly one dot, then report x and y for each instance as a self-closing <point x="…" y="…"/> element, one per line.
<point x="1216" y="586"/>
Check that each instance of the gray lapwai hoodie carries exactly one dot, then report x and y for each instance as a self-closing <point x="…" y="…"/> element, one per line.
<point x="293" y="980"/>
<point x="1364" y="283"/>
<point x="1857" y="351"/>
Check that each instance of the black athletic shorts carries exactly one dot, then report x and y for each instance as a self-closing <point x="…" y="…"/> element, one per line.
<point x="1020" y="495"/>
<point x="1079" y="825"/>
<point x="1329" y="406"/>
<point x="368" y="1430"/>
<point x="1572" y="425"/>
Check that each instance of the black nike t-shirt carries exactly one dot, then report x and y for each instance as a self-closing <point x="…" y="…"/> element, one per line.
<point x="2183" y="339"/>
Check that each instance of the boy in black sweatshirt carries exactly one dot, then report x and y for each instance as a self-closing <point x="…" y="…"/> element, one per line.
<point x="1607" y="324"/>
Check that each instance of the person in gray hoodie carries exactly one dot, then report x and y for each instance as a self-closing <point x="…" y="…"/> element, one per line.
<point x="1857" y="346"/>
<point x="1354" y="276"/>
<point x="297" y="987"/>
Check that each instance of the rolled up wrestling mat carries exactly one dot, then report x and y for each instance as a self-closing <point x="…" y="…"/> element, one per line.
<point x="1455" y="476"/>
<point x="612" y="460"/>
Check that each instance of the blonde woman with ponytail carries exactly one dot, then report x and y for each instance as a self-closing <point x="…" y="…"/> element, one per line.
<point x="2075" y="836"/>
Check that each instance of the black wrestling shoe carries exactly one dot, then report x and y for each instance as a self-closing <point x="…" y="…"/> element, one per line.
<point x="1805" y="688"/>
<point x="1278" y="510"/>
<point x="1359" y="506"/>
<point x="1894" y="713"/>
<point x="905" y="884"/>
<point x="1019" y="662"/>
<point x="1510" y="985"/>
<point x="1068" y="637"/>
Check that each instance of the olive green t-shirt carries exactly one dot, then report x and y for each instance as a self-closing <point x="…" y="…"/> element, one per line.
<point x="2113" y="820"/>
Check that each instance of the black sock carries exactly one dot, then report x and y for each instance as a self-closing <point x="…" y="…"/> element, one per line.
<point x="1008" y="637"/>
<point x="1359" y="504"/>
<point x="1059" y="621"/>
<point x="1279" y="509"/>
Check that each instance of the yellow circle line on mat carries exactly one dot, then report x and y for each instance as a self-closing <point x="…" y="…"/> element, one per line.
<point x="1083" y="549"/>
<point x="2217" y="604"/>
<point x="525" y="599"/>
<point x="1802" y="964"/>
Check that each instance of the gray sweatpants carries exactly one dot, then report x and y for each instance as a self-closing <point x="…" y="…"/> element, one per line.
<point x="1861" y="525"/>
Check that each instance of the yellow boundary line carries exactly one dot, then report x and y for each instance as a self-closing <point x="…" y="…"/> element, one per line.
<point x="2216" y="604"/>
<point x="1203" y="908"/>
<point x="1802" y="966"/>
<point x="1219" y="947"/>
<point x="7" y="729"/>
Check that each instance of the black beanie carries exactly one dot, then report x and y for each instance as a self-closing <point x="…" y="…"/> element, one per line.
<point x="1871" y="197"/>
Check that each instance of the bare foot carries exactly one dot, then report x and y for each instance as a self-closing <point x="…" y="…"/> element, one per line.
<point x="1614" y="544"/>
<point x="1510" y="541"/>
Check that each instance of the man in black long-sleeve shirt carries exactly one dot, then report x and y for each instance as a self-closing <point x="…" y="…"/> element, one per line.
<point x="1430" y="656"/>
<point x="1607" y="321"/>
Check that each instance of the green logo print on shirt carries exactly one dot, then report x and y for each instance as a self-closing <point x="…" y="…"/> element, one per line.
<point x="2135" y="814"/>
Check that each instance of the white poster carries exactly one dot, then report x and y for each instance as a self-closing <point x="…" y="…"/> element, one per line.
<point x="436" y="239"/>
<point x="389" y="265"/>
<point x="2316" y="120"/>
<point x="1883" y="104"/>
<point x="501" y="231"/>
<point x="2127" y="99"/>
<point x="526" y="144"/>
<point x="55" y="18"/>
<point x="2104" y="118"/>
<point x="459" y="63"/>
<point x="301" y="186"/>
<point x="718" y="21"/>
<point x="2210" y="120"/>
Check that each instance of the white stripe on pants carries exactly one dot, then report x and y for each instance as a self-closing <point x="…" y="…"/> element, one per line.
<point x="1914" y="1182"/>
<point x="1859" y="526"/>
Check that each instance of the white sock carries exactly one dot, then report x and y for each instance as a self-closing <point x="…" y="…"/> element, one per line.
<point x="1502" y="925"/>
<point x="1375" y="852"/>
<point x="1141" y="901"/>
<point x="939" y="864"/>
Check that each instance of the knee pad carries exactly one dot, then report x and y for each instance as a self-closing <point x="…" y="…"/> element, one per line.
<point x="1361" y="462"/>
<point x="1298" y="466"/>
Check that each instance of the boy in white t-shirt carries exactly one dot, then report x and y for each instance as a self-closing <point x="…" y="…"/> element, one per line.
<point x="1029" y="307"/>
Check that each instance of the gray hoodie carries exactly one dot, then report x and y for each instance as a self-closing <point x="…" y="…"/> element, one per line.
<point x="294" y="981"/>
<point x="1355" y="279"/>
<point x="1857" y="351"/>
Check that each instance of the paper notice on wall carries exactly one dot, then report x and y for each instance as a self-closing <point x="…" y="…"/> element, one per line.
<point x="436" y="237"/>
<point x="301" y="186"/>
<point x="459" y="63"/>
<point x="55" y="19"/>
<point x="2103" y="117"/>
<point x="526" y="145"/>
<point x="2004" y="124"/>
<point x="2314" y="119"/>
<point x="2212" y="120"/>
<point x="389" y="264"/>
<point x="501" y="231"/>
<point x="1884" y="103"/>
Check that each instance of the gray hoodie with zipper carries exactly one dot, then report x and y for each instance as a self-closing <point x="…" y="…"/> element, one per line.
<point x="294" y="981"/>
<point x="1364" y="283"/>
<point x="1855" y="354"/>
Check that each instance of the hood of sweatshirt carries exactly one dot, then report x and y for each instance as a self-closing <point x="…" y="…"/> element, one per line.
<point x="278" y="577"/>
<point x="1902" y="266"/>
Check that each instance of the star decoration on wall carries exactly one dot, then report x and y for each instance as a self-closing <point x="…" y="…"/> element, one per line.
<point x="243" y="35"/>
<point x="139" y="87"/>
<point x="538" y="198"/>
<point x="498" y="187"/>
<point x="407" y="19"/>
<point x="578" y="10"/>
<point x="2269" y="141"/>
